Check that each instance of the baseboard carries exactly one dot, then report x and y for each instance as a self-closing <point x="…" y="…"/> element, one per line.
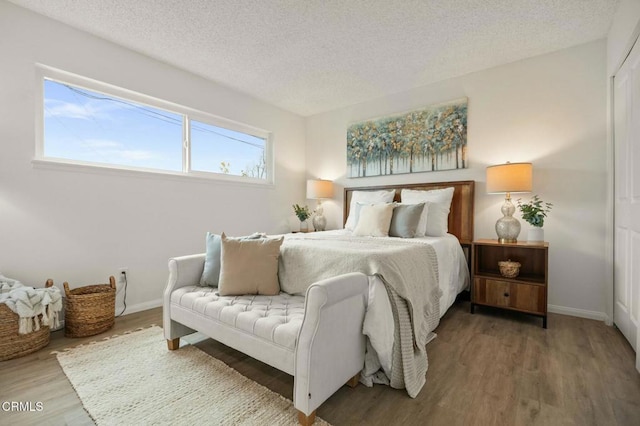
<point x="582" y="313"/>
<point x="132" y="309"/>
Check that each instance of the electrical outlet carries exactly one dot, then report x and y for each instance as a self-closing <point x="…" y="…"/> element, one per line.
<point x="123" y="275"/>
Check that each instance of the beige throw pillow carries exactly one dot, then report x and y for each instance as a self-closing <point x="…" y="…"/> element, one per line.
<point x="374" y="220"/>
<point x="249" y="266"/>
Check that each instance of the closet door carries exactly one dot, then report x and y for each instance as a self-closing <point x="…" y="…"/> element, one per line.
<point x="627" y="199"/>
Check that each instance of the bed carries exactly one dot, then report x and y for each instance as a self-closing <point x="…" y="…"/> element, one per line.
<point x="460" y="230"/>
<point x="306" y="258"/>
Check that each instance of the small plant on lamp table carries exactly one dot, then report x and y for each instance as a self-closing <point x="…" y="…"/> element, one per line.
<point x="534" y="212"/>
<point x="303" y="213"/>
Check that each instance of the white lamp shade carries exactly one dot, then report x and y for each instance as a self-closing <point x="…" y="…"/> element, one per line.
<point x="317" y="188"/>
<point x="510" y="177"/>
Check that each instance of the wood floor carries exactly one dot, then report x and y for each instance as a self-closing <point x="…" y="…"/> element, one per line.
<point x="491" y="368"/>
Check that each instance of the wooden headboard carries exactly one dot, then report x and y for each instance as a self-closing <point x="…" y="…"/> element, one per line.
<point x="461" y="215"/>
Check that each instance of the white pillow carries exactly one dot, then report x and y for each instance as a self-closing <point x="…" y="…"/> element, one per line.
<point x="435" y="219"/>
<point x="382" y="196"/>
<point x="374" y="220"/>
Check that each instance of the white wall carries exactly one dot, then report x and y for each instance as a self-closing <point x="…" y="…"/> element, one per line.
<point x="80" y="226"/>
<point x="550" y="110"/>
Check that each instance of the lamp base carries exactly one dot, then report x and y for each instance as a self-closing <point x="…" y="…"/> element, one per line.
<point x="508" y="227"/>
<point x="319" y="222"/>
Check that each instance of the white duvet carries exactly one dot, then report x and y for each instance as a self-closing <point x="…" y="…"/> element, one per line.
<point x="453" y="278"/>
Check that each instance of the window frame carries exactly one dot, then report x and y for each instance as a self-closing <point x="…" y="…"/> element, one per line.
<point x="44" y="72"/>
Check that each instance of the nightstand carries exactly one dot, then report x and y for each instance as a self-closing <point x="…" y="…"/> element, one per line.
<point x="525" y="293"/>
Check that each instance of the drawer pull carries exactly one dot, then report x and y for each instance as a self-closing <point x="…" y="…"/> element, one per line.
<point x="506" y="295"/>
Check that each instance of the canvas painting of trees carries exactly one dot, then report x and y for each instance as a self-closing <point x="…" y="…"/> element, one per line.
<point x="425" y="140"/>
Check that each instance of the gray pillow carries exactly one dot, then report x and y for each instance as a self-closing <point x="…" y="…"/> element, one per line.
<point x="211" y="272"/>
<point x="405" y="220"/>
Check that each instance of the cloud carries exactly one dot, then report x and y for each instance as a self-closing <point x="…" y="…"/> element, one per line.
<point x="101" y="143"/>
<point x="135" y="154"/>
<point x="112" y="151"/>
<point x="56" y="108"/>
<point x="89" y="110"/>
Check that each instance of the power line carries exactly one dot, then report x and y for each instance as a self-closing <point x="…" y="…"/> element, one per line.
<point x="157" y="115"/>
<point x="145" y="111"/>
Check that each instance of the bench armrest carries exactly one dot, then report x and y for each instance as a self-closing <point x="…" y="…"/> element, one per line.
<point x="183" y="271"/>
<point x="331" y="345"/>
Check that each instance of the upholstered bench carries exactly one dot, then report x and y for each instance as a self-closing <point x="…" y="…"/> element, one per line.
<point x="317" y="338"/>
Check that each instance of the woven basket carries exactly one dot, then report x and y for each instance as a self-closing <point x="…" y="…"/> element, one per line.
<point x="14" y="344"/>
<point x="509" y="269"/>
<point x="89" y="310"/>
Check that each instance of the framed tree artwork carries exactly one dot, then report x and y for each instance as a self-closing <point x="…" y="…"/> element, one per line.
<point x="425" y="140"/>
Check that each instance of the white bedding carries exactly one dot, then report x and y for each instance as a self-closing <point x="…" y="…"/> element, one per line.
<point x="453" y="278"/>
<point x="452" y="265"/>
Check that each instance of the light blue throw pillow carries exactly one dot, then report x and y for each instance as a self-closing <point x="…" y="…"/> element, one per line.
<point x="211" y="272"/>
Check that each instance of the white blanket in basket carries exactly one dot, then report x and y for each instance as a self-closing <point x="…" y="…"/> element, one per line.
<point x="29" y="303"/>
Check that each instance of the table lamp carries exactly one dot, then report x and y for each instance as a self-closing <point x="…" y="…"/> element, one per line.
<point x="317" y="189"/>
<point x="505" y="179"/>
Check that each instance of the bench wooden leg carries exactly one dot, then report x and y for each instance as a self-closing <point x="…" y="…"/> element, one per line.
<point x="353" y="382"/>
<point x="173" y="344"/>
<point x="305" y="420"/>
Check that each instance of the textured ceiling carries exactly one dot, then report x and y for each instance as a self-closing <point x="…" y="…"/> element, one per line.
<point x="316" y="55"/>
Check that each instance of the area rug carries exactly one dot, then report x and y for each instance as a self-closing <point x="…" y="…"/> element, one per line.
<point x="134" y="379"/>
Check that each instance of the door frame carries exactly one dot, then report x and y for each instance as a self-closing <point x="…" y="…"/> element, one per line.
<point x="610" y="208"/>
<point x="610" y="213"/>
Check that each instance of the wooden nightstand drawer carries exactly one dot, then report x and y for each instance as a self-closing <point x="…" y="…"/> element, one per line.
<point x="491" y="292"/>
<point x="518" y="296"/>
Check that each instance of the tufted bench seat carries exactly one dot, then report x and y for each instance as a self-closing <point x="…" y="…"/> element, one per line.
<point x="273" y="321"/>
<point x="317" y="338"/>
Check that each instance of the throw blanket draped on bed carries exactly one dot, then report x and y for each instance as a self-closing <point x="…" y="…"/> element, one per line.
<point x="410" y="274"/>
<point x="31" y="304"/>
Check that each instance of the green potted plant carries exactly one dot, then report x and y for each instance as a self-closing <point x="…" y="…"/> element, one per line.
<point x="303" y="214"/>
<point x="534" y="213"/>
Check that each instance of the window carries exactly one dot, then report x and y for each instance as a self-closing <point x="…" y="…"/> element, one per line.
<point x="95" y="124"/>
<point x="216" y="149"/>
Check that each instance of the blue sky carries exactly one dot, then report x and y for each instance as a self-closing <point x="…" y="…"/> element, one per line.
<point x="89" y="126"/>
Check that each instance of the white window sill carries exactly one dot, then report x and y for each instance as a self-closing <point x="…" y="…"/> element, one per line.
<point x="124" y="171"/>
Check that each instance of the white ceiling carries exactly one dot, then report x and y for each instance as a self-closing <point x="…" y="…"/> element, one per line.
<point x="316" y="55"/>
